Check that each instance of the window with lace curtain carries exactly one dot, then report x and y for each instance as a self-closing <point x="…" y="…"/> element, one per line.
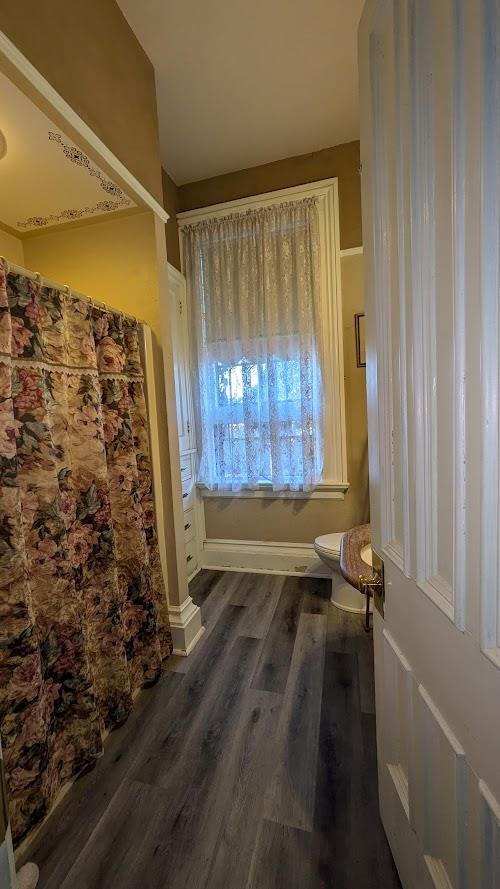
<point x="265" y="323"/>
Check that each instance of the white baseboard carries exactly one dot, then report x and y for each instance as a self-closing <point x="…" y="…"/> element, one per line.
<point x="263" y="557"/>
<point x="184" y="652"/>
<point x="186" y="626"/>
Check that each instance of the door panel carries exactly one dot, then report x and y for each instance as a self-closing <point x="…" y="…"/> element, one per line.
<point x="435" y="300"/>
<point x="398" y="711"/>
<point x="430" y="100"/>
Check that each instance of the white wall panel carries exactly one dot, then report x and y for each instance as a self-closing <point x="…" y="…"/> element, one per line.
<point x="441" y="798"/>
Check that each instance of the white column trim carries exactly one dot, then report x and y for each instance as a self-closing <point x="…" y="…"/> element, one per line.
<point x="154" y="446"/>
<point x="186" y="626"/>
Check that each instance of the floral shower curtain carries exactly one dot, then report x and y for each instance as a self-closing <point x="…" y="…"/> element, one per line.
<point x="83" y="615"/>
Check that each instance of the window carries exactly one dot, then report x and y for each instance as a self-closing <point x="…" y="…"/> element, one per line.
<point x="249" y="380"/>
<point x="266" y="333"/>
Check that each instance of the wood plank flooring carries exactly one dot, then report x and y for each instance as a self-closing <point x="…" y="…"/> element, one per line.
<point x="250" y="765"/>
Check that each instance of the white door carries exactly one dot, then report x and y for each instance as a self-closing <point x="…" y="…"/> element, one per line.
<point x="430" y="112"/>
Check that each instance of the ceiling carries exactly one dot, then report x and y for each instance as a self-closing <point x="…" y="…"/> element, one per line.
<point x="45" y="179"/>
<point x="245" y="82"/>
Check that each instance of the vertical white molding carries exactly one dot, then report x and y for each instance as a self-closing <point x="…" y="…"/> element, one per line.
<point x="404" y="247"/>
<point x="185" y="616"/>
<point x="424" y="296"/>
<point x="154" y="446"/>
<point x="368" y="173"/>
<point x="459" y="358"/>
<point x="382" y="260"/>
<point x="490" y="287"/>
<point x="417" y="288"/>
<point x="332" y="308"/>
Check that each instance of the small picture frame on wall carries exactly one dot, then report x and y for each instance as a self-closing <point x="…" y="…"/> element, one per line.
<point x="359" y="329"/>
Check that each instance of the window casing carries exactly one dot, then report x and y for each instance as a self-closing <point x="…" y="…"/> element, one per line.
<point x="227" y="378"/>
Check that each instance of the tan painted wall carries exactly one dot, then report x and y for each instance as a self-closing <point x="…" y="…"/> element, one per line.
<point x="89" y="54"/>
<point x="301" y="520"/>
<point x="171" y="204"/>
<point x="11" y="248"/>
<point x="341" y="161"/>
<point x="115" y="261"/>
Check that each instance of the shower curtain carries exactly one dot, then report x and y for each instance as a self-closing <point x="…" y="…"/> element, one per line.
<point x="83" y="614"/>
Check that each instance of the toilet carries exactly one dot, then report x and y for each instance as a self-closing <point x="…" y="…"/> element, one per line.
<point x="343" y="595"/>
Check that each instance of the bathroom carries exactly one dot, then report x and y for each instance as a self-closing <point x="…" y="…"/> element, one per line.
<point x="240" y="445"/>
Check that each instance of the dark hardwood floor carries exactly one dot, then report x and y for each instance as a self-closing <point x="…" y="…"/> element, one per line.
<point x="250" y="765"/>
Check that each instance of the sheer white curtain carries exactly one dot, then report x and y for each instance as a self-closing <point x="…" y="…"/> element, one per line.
<point x="254" y="293"/>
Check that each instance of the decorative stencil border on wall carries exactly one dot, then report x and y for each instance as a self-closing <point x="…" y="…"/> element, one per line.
<point x="117" y="199"/>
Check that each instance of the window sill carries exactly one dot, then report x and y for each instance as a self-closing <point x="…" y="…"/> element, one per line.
<point x="323" y="491"/>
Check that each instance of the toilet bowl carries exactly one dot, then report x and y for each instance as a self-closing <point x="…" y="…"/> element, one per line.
<point x="343" y="595"/>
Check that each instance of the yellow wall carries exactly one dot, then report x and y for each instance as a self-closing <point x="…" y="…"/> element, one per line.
<point x="112" y="261"/>
<point x="301" y="520"/>
<point x="90" y="55"/>
<point x="11" y="248"/>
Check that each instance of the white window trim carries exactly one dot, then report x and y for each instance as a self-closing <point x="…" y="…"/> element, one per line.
<point x="334" y="482"/>
<point x="322" y="491"/>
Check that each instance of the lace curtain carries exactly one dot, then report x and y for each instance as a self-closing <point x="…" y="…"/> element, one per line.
<point x="83" y="613"/>
<point x="254" y="291"/>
